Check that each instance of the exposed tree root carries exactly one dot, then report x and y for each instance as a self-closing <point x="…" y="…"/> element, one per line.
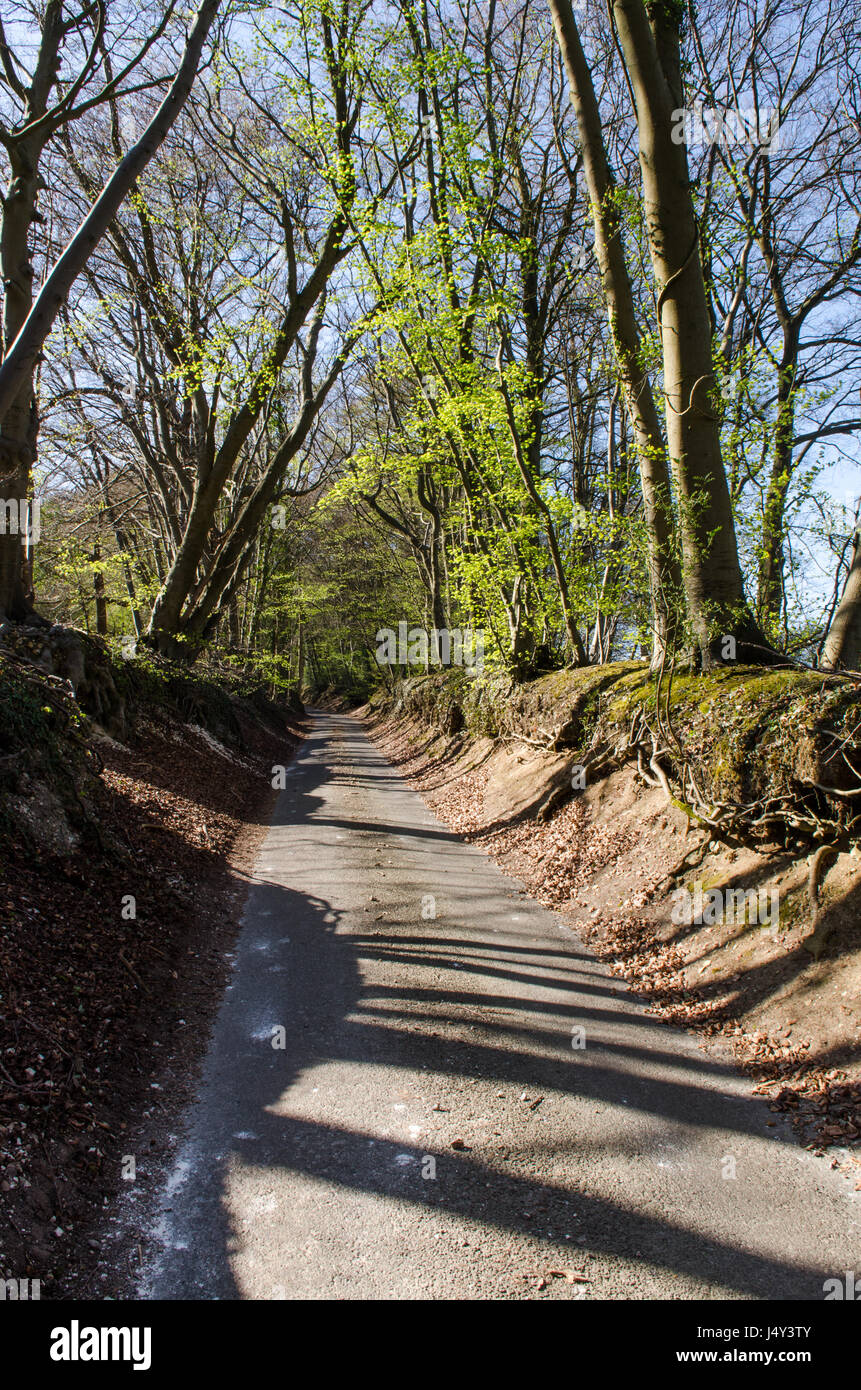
<point x="816" y="941"/>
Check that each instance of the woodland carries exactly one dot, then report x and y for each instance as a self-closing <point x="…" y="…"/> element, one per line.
<point x="536" y="321"/>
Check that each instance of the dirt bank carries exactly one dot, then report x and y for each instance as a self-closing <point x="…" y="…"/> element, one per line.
<point x="118" y="902"/>
<point x="770" y="982"/>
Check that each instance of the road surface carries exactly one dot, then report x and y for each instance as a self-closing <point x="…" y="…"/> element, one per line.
<point x="431" y="1127"/>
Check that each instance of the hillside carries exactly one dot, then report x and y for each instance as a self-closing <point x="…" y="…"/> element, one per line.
<point x="123" y="857"/>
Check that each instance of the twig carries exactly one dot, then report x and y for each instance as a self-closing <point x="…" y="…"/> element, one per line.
<point x="45" y="1033"/>
<point x="135" y="976"/>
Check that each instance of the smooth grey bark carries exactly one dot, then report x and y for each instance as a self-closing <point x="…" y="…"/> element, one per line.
<point x="842" y="648"/>
<point x="712" y="577"/>
<point x="664" y="571"/>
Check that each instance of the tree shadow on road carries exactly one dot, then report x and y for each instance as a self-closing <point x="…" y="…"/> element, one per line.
<point x="312" y="987"/>
<point x="499" y="1006"/>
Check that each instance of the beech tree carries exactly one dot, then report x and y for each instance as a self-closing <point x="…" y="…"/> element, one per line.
<point x="43" y="102"/>
<point x="423" y="274"/>
<point x="786" y="305"/>
<point x="664" y="573"/>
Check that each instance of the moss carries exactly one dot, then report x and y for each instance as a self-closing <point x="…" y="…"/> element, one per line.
<point x="748" y="734"/>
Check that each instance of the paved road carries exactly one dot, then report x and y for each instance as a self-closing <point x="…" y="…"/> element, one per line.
<point x="428" y="1130"/>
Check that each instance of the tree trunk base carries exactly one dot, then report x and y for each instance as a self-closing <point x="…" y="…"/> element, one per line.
<point x="74" y="657"/>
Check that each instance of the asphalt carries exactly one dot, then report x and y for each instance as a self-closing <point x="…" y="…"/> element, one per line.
<point x="431" y="1126"/>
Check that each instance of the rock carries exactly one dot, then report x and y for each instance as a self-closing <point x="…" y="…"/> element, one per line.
<point x="43" y="817"/>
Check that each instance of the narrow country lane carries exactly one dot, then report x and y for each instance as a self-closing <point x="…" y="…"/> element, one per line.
<point x="428" y="1130"/>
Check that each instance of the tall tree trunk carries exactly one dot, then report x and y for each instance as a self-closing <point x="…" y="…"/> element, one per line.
<point x="233" y="621"/>
<point x="664" y="572"/>
<point x="772" y="559"/>
<point x="714" y="587"/>
<point x="525" y="466"/>
<point x="19" y="417"/>
<point x="435" y="549"/>
<point x="19" y="427"/>
<point x="842" y="648"/>
<point x="300" y="656"/>
<point x="123" y="547"/>
<point x="99" y="591"/>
